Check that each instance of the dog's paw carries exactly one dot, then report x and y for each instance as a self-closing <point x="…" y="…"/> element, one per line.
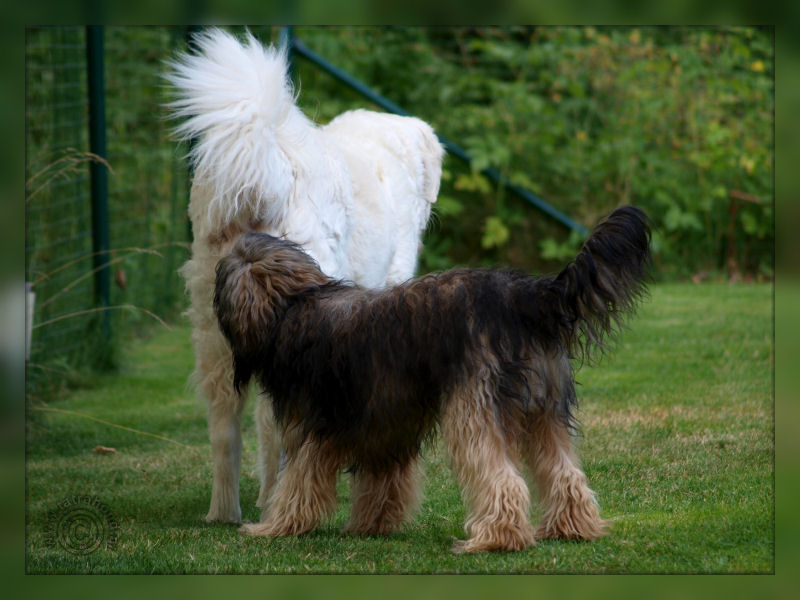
<point x="573" y="529"/>
<point x="509" y="544"/>
<point x="264" y="530"/>
<point x="220" y="518"/>
<point x="251" y="529"/>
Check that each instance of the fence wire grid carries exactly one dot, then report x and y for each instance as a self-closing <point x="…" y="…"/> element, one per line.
<point x="148" y="187"/>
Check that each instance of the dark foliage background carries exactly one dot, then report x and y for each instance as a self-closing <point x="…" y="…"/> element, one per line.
<point x="676" y="120"/>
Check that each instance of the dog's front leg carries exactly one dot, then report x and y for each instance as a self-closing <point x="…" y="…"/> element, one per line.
<point x="269" y="452"/>
<point x="305" y="493"/>
<point x="383" y="502"/>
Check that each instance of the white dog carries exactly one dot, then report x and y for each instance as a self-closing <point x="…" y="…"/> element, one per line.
<point x="356" y="194"/>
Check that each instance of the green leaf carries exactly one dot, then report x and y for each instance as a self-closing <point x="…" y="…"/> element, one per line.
<point x="553" y="250"/>
<point x="472" y="182"/>
<point x="448" y="206"/>
<point x="495" y="233"/>
<point x="678" y="220"/>
<point x="749" y="223"/>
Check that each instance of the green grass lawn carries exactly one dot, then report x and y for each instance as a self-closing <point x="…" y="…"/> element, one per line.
<point x="677" y="443"/>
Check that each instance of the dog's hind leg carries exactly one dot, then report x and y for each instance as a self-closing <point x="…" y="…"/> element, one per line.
<point x="225" y="431"/>
<point x="213" y="375"/>
<point x="497" y="497"/>
<point x="304" y="495"/>
<point x="269" y="450"/>
<point x="215" y="380"/>
<point x="383" y="502"/>
<point x="569" y="506"/>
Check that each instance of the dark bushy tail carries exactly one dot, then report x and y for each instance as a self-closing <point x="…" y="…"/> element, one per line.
<point x="605" y="281"/>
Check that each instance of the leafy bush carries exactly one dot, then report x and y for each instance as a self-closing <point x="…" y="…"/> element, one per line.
<point x="676" y="120"/>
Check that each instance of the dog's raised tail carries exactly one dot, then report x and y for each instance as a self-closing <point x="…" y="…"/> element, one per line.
<point x="236" y="104"/>
<point x="604" y="283"/>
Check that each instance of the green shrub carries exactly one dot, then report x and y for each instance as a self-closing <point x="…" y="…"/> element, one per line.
<point x="676" y="120"/>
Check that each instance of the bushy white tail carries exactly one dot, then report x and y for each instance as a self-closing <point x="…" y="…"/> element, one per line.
<point x="238" y="106"/>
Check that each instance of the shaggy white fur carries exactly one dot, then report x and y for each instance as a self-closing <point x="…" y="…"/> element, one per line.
<point x="356" y="194"/>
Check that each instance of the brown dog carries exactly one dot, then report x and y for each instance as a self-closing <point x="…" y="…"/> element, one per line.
<point x="359" y="379"/>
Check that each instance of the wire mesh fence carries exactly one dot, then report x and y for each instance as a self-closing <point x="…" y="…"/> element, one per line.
<point x="147" y="225"/>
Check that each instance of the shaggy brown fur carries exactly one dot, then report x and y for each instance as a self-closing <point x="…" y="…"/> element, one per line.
<point x="359" y="379"/>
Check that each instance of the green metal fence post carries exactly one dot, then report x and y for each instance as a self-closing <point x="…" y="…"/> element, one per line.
<point x="98" y="170"/>
<point x="286" y="40"/>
